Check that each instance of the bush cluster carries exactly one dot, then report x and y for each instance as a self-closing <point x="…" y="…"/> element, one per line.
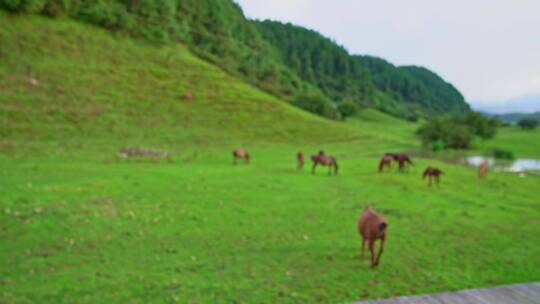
<point x="456" y="133"/>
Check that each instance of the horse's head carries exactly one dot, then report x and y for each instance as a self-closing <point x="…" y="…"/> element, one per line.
<point x="426" y="172"/>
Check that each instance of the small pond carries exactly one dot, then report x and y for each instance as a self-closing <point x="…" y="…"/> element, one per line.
<point x="518" y="165"/>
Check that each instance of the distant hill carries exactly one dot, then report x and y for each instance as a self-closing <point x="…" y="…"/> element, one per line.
<point x="524" y="104"/>
<point x="515" y="117"/>
<point x="282" y="59"/>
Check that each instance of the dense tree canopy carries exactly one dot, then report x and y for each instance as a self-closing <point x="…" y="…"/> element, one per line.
<point x="321" y="62"/>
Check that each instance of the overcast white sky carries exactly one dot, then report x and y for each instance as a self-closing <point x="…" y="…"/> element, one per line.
<point x="489" y="49"/>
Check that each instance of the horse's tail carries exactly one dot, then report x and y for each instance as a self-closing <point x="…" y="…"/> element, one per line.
<point x="336" y="167"/>
<point x="425" y="173"/>
<point x="381" y="165"/>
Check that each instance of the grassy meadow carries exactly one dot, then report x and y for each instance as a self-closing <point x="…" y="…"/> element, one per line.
<point x="78" y="225"/>
<point x="524" y="144"/>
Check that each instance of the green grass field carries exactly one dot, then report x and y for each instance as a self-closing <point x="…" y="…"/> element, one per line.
<point x="79" y="225"/>
<point x="524" y="144"/>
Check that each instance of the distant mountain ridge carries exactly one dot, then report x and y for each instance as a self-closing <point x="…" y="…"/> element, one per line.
<point x="525" y="104"/>
<point x="515" y="117"/>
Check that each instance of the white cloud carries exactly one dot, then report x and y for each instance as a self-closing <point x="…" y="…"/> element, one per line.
<point x="489" y="49"/>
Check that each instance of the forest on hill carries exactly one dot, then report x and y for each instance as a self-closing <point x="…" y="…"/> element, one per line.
<point x="285" y="60"/>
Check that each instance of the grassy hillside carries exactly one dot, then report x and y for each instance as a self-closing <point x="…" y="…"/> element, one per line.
<point x="78" y="225"/>
<point x="103" y="87"/>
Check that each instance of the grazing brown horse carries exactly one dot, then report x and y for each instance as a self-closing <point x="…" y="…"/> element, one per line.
<point x="386" y="161"/>
<point x="372" y="227"/>
<point x="401" y="158"/>
<point x="324" y="160"/>
<point x="240" y="154"/>
<point x="483" y="169"/>
<point x="300" y="159"/>
<point x="432" y="172"/>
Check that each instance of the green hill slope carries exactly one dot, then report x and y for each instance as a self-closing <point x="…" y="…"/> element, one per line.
<point x="98" y="86"/>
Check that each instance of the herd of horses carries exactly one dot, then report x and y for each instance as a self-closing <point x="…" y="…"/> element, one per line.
<point x="372" y="226"/>
<point x="403" y="160"/>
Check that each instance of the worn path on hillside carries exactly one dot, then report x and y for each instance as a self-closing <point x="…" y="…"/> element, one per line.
<point x="519" y="294"/>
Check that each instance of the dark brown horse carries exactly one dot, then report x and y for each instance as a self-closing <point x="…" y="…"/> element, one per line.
<point x="300" y="159"/>
<point x="432" y="173"/>
<point x="372" y="227"/>
<point x="386" y="161"/>
<point x="402" y="159"/>
<point x="324" y="160"/>
<point x="241" y="154"/>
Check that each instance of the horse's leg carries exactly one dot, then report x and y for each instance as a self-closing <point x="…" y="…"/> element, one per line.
<point x="371" y="245"/>
<point x="429" y="184"/>
<point x="313" y="169"/>
<point x="363" y="246"/>
<point x="329" y="169"/>
<point x="381" y="250"/>
<point x="234" y="160"/>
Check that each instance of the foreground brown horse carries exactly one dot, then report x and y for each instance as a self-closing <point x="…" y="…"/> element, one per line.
<point x="386" y="161"/>
<point x="432" y="172"/>
<point x="372" y="227"/>
<point x="241" y="154"/>
<point x="300" y="159"/>
<point x="483" y="169"/>
<point x="324" y="160"/>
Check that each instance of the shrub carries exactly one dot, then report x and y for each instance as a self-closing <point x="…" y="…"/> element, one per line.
<point x="503" y="154"/>
<point x="480" y="125"/>
<point x="437" y="145"/>
<point x="528" y="123"/>
<point x="459" y="137"/>
<point x="347" y="108"/>
<point x="316" y="103"/>
<point x="413" y="117"/>
<point x="27" y="6"/>
<point x="447" y="131"/>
